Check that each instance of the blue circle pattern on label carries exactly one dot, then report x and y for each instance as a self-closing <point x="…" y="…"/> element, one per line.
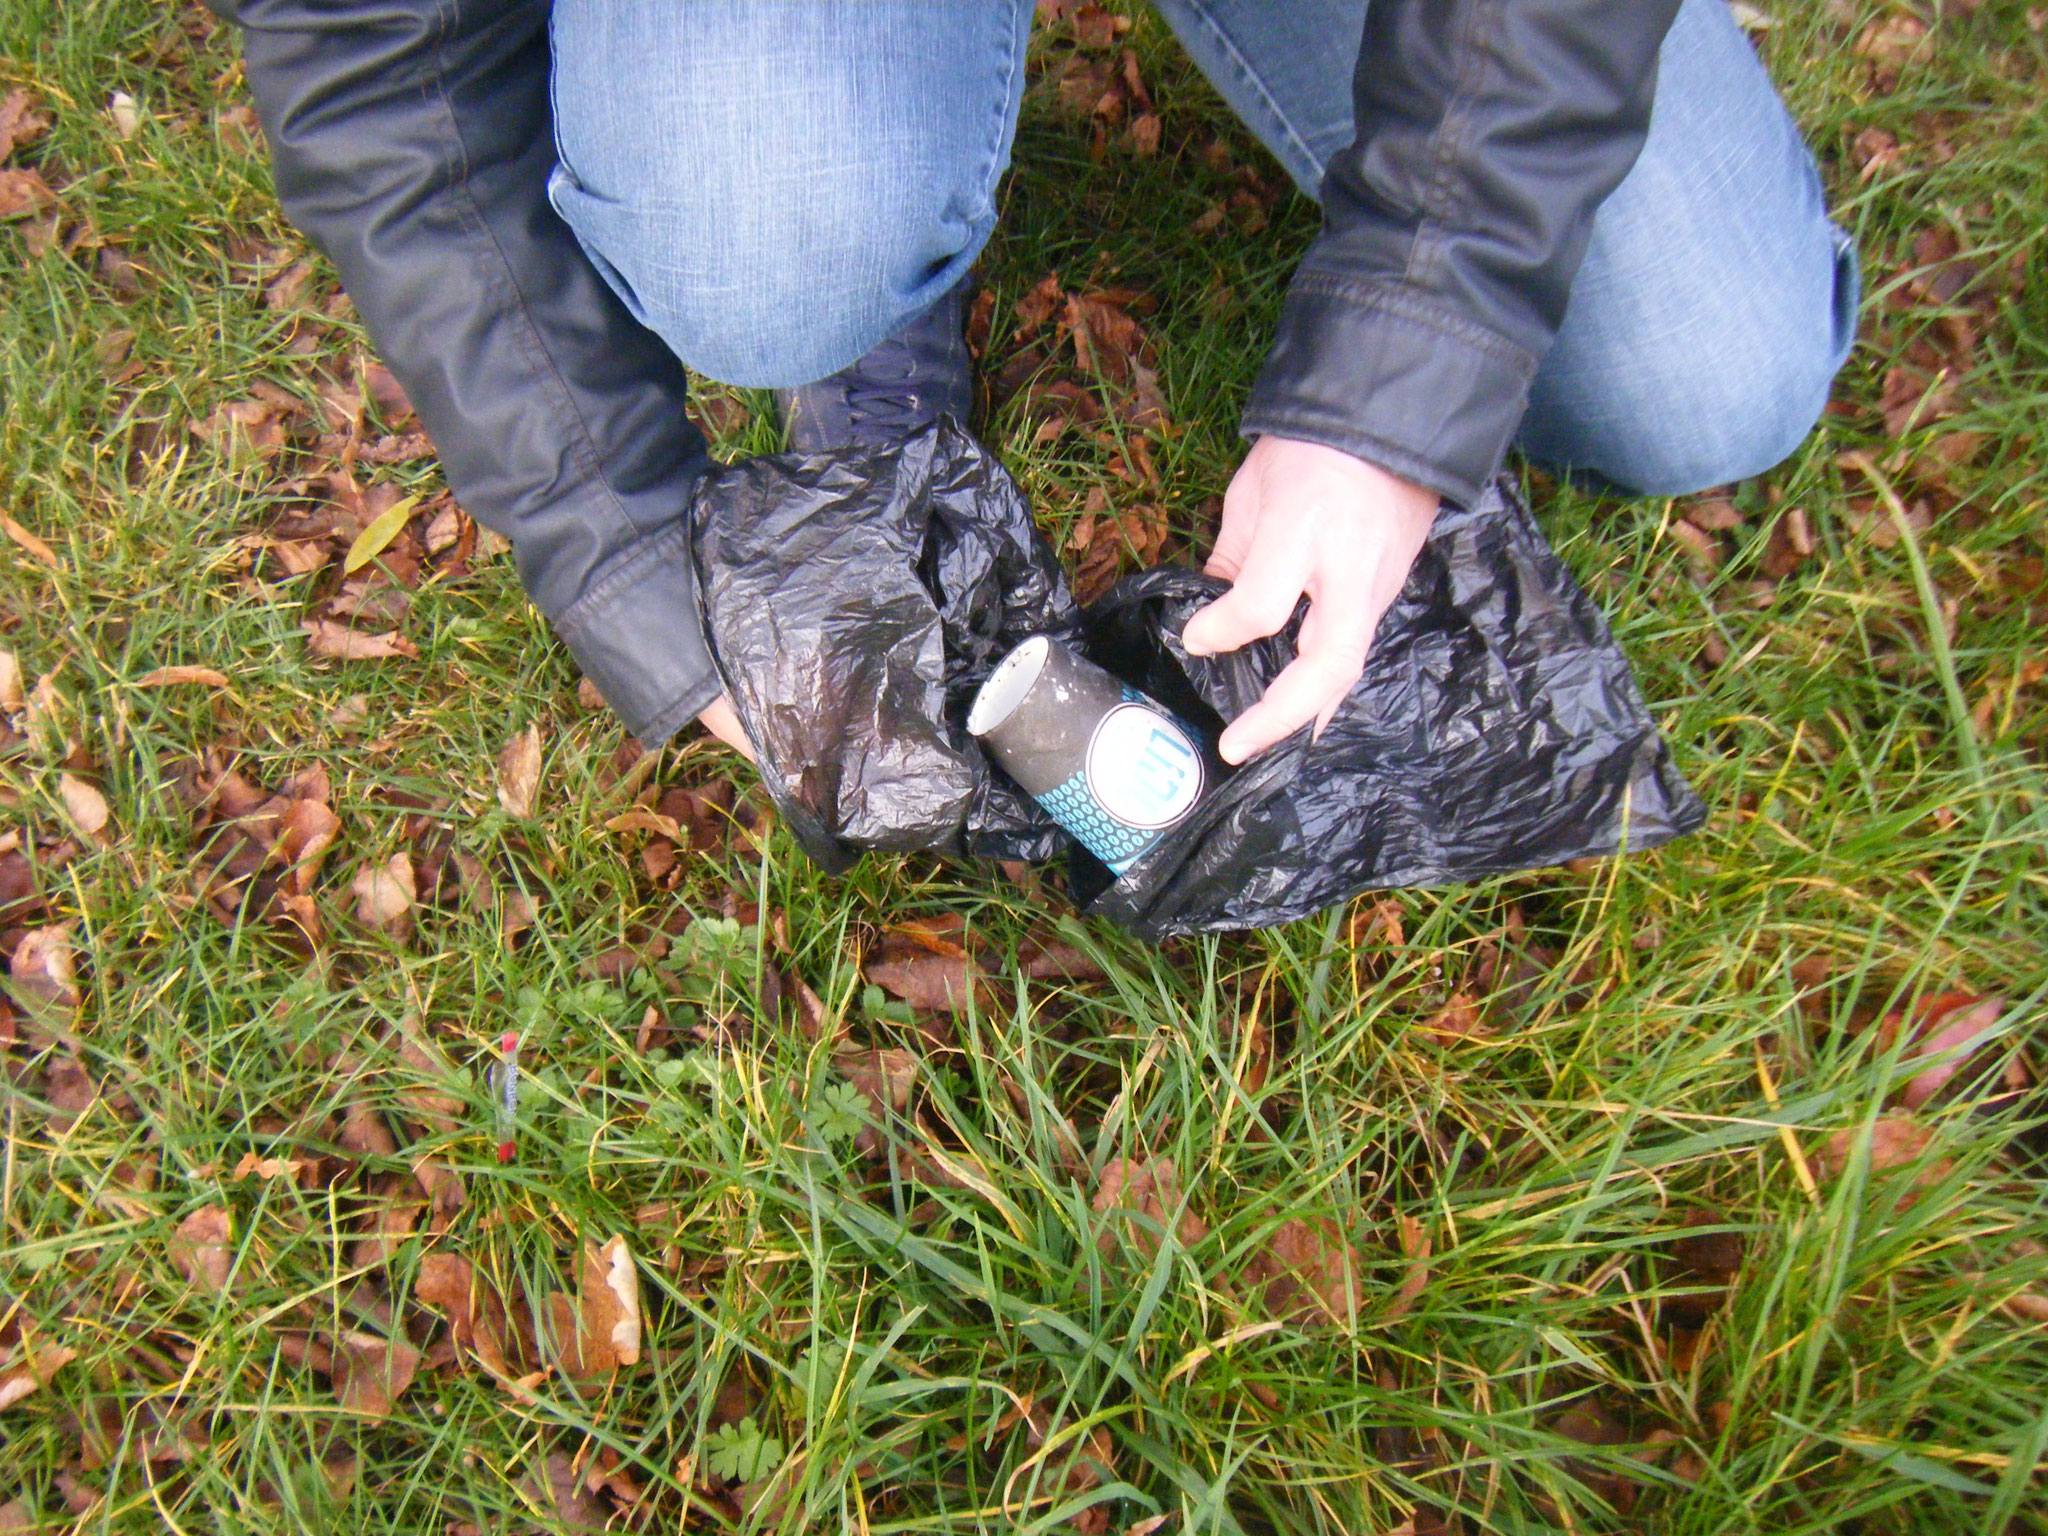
<point x="1073" y="806"/>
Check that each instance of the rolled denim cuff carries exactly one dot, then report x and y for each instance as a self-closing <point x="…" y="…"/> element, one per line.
<point x="638" y="634"/>
<point x="1386" y="375"/>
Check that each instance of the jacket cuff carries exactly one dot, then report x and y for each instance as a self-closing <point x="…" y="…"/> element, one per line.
<point x="1392" y="377"/>
<point x="638" y="634"/>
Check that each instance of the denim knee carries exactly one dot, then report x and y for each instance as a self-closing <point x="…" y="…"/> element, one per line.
<point x="775" y="188"/>
<point x="1681" y="407"/>
<point x="757" y="292"/>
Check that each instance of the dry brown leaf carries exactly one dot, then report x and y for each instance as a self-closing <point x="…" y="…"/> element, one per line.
<point x="1416" y="1245"/>
<point x="200" y="1248"/>
<point x="1891" y="42"/>
<point x="371" y="1373"/>
<point x="600" y="1333"/>
<point x="84" y="804"/>
<point x="2026" y="1306"/>
<point x="1896" y="1141"/>
<point x="639" y="819"/>
<point x="23" y="193"/>
<point x="295" y="1169"/>
<point x="44" y="969"/>
<point x="252" y="426"/>
<point x="338" y="642"/>
<point x="1954" y="1022"/>
<point x="1145" y="1197"/>
<point x="166" y="677"/>
<point x="556" y="1484"/>
<point x="20" y="122"/>
<point x="477" y="1320"/>
<point x="921" y="977"/>
<point x="884" y="1078"/>
<point x="12" y="698"/>
<point x="21" y="1377"/>
<point x="385" y="894"/>
<point x="519" y="773"/>
<point x="1307" y="1273"/>
<point x="28" y="541"/>
<point x="305" y="831"/>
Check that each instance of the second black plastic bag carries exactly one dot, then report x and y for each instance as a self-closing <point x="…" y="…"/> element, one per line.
<point x="855" y="604"/>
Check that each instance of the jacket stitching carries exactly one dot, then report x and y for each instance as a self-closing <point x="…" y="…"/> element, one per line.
<point x="498" y="274"/>
<point x="626" y="572"/>
<point x="1368" y="295"/>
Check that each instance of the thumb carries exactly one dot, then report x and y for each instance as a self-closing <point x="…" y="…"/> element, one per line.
<point x="1260" y="604"/>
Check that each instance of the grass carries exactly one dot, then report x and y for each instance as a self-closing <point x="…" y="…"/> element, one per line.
<point x="850" y="1340"/>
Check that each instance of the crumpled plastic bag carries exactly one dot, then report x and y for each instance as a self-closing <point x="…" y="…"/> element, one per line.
<point x="854" y="604"/>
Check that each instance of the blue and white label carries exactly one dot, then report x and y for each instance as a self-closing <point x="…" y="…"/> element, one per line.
<point x="1142" y="769"/>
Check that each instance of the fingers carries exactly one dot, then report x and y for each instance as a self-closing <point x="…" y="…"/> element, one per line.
<point x="1240" y="522"/>
<point x="1277" y="570"/>
<point x="1313" y="685"/>
<point x="720" y="719"/>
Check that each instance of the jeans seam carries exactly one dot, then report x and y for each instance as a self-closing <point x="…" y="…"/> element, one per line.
<point x="1246" y="73"/>
<point x="1003" y="115"/>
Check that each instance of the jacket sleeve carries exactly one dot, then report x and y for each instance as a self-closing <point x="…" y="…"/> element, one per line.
<point x="1489" y="131"/>
<point x="412" y="141"/>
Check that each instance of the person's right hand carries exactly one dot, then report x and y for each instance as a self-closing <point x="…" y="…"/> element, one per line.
<point x="1301" y="519"/>
<point x="723" y="722"/>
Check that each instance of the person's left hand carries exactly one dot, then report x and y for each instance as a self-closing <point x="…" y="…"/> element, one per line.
<point x="1304" y="518"/>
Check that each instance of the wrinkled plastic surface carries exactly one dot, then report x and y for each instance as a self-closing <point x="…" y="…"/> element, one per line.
<point x="854" y="605"/>
<point x="1498" y="727"/>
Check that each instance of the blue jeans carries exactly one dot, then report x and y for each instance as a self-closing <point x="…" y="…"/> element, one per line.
<point x="774" y="186"/>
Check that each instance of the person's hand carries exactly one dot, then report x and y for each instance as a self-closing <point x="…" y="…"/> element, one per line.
<point x="721" y="721"/>
<point x="1304" y="518"/>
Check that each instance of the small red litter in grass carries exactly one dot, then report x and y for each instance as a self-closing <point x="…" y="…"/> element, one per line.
<point x="505" y="1089"/>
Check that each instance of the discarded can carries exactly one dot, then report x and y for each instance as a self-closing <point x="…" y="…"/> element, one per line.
<point x="1113" y="767"/>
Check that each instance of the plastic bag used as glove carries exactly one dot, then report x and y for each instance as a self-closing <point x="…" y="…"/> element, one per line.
<point x="1497" y="728"/>
<point x="854" y="603"/>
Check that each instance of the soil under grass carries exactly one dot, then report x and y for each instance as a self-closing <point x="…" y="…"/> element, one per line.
<point x="1603" y="1198"/>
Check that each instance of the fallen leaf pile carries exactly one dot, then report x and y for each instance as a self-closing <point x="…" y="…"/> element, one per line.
<point x="259" y="852"/>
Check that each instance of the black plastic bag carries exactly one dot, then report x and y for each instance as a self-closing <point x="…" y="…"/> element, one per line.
<point x="1497" y="728"/>
<point x="855" y="604"/>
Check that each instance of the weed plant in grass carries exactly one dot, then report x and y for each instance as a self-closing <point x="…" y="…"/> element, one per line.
<point x="1584" y="1200"/>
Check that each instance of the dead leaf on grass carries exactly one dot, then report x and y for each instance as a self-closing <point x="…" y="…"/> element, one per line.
<point x="1896" y="1141"/>
<point x="12" y="698"/>
<point x="600" y="1332"/>
<point x="377" y="535"/>
<point x="20" y="122"/>
<point x="1142" y="1199"/>
<point x="519" y="773"/>
<point x="338" y="642"/>
<point x="385" y="894"/>
<point x="557" y="1486"/>
<point x="1308" y="1274"/>
<point x="921" y="977"/>
<point x="29" y="542"/>
<point x="477" y="1318"/>
<point x="1951" y="1025"/>
<point x="20" y="1377"/>
<point x="44" y="970"/>
<point x="23" y="193"/>
<point x="371" y="1372"/>
<point x="1416" y="1246"/>
<point x="200" y="1248"/>
<point x="84" y="804"/>
<point x="168" y="677"/>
